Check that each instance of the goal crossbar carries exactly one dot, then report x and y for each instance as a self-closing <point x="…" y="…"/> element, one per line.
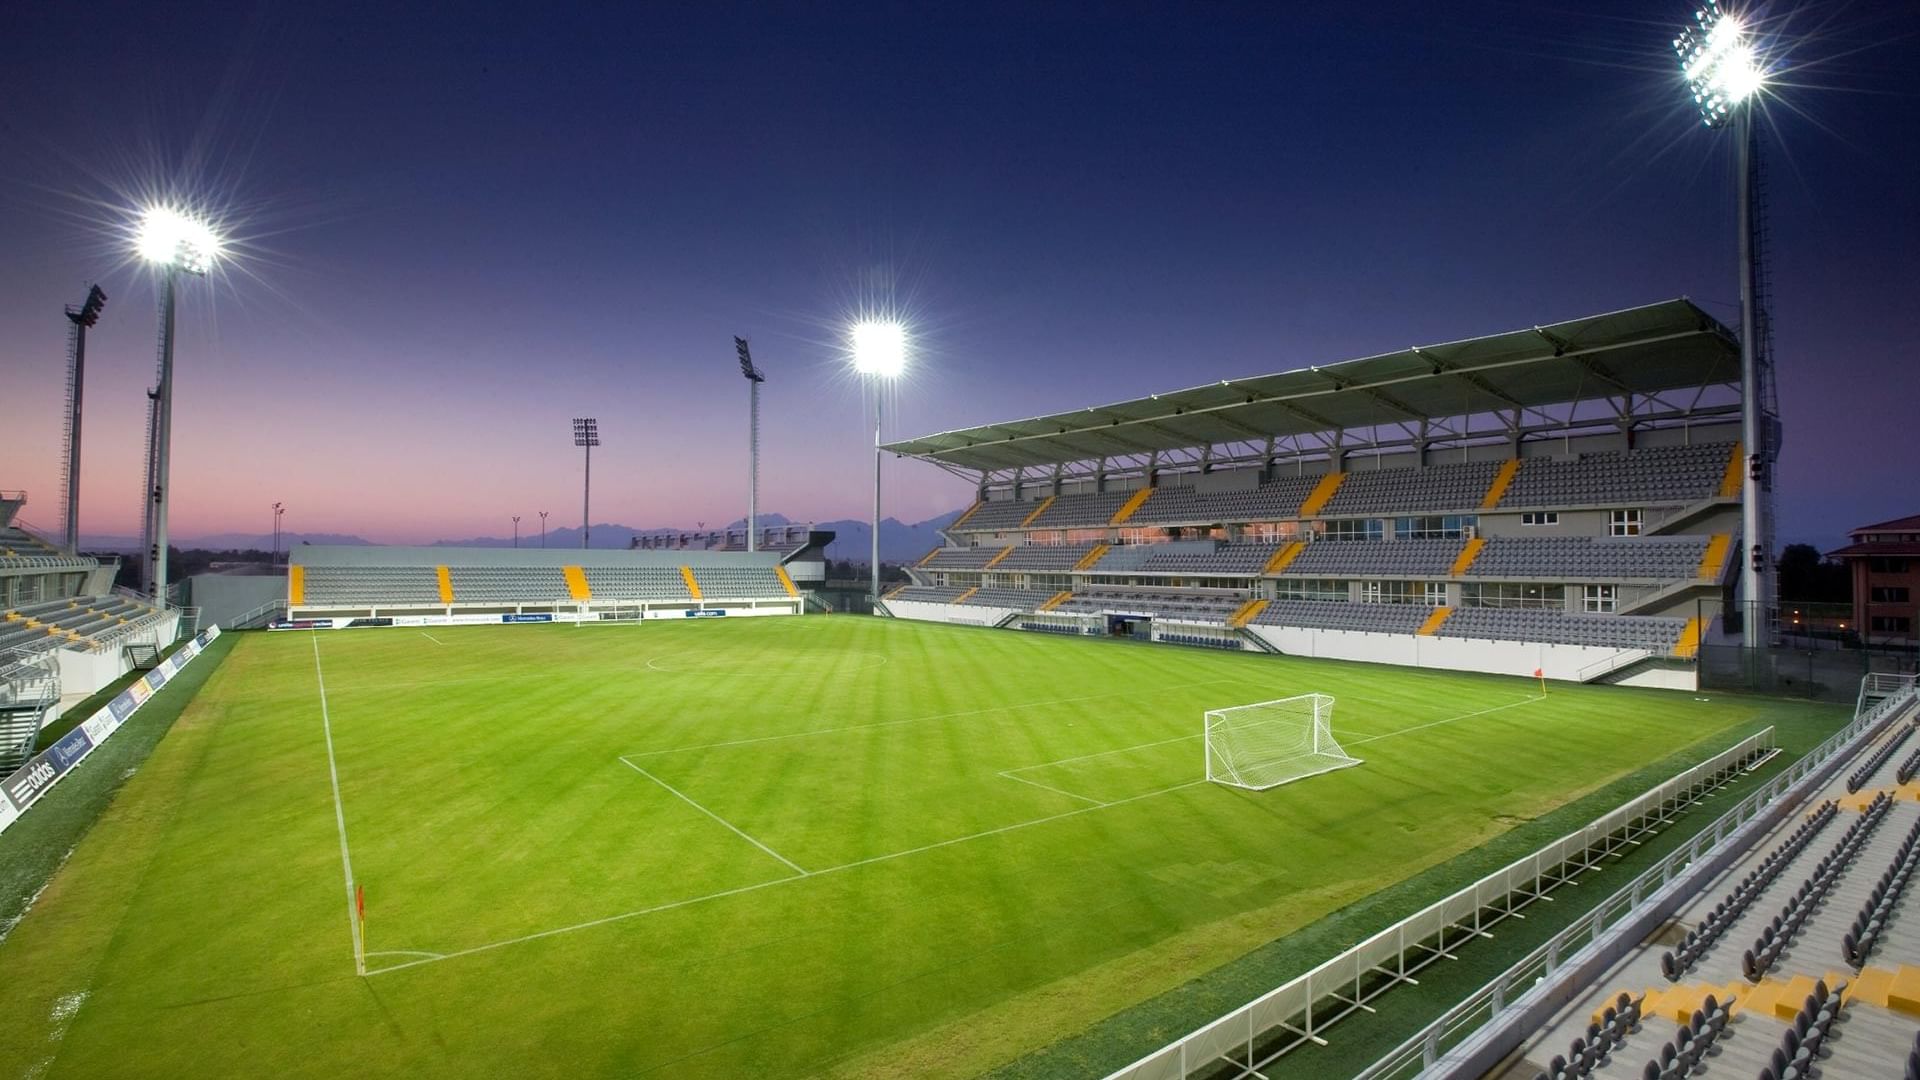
<point x="1269" y="743"/>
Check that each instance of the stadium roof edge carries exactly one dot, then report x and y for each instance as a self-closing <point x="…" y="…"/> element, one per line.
<point x="1671" y="345"/>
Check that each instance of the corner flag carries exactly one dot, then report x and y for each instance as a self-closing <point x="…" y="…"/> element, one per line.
<point x="1542" y="676"/>
<point x="360" y="902"/>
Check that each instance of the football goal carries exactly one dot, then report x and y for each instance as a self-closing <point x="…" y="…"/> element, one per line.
<point x="1271" y="743"/>
<point x="621" y="614"/>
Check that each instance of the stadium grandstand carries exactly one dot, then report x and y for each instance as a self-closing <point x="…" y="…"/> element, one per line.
<point x="338" y="587"/>
<point x="65" y="631"/>
<point x="1563" y="500"/>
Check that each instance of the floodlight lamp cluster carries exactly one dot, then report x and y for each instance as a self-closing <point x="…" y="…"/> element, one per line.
<point x="88" y="313"/>
<point x="586" y="431"/>
<point x="879" y="348"/>
<point x="176" y="240"/>
<point x="752" y="374"/>
<point x="1719" y="63"/>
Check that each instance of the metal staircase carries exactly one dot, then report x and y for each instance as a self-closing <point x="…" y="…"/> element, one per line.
<point x="29" y="691"/>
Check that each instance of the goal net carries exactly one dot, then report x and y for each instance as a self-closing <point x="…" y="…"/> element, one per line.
<point x="621" y="614"/>
<point x="1273" y="742"/>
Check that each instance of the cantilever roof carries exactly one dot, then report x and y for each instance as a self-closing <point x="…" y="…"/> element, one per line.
<point x="1671" y="345"/>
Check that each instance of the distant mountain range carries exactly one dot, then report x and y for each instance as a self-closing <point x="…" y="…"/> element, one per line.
<point x="899" y="541"/>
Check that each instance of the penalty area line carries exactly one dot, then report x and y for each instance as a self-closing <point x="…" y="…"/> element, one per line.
<point x="339" y="812"/>
<point x="735" y="829"/>
<point x="431" y="638"/>
<point x="1448" y="720"/>
<point x="757" y="886"/>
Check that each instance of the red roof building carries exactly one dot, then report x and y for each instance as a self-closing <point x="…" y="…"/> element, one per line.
<point x="1885" y="560"/>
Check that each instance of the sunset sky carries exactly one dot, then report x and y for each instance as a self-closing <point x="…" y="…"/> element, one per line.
<point x="457" y="229"/>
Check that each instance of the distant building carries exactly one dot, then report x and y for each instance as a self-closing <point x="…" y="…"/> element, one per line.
<point x="1885" y="560"/>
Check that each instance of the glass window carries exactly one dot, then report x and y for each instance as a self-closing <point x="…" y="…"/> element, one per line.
<point x="1360" y="529"/>
<point x="1892" y="624"/>
<point x="1434" y="593"/>
<point x="1512" y="594"/>
<point x="1540" y="517"/>
<point x="1600" y="598"/>
<point x="1626" y="523"/>
<point x="1310" y="589"/>
<point x="1890" y="594"/>
<point x="1270" y="530"/>
<point x="1435" y="527"/>
<point x="1887" y="565"/>
<point x="1392" y="592"/>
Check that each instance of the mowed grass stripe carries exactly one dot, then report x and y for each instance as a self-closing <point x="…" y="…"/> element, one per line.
<point x="486" y="802"/>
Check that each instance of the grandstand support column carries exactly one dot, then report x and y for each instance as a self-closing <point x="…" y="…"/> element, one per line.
<point x="1754" y="568"/>
<point x="162" y="441"/>
<point x="880" y="353"/>
<point x="876" y="493"/>
<point x="82" y="318"/>
<point x="754" y="377"/>
<point x="586" y="435"/>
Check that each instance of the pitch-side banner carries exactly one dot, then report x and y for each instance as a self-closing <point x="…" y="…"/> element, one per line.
<point x="31" y="781"/>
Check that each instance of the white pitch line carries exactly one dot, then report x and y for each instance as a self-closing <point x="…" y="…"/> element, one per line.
<point x="1008" y="773"/>
<point x="918" y="719"/>
<point x="339" y="813"/>
<point x="737" y="831"/>
<point x="1448" y="720"/>
<point x="657" y="908"/>
<point x="431" y="638"/>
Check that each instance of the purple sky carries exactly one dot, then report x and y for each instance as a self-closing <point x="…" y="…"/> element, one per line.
<point x="459" y="231"/>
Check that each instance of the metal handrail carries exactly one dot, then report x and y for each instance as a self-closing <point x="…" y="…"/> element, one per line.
<point x="1356" y="975"/>
<point x="1480" y="1008"/>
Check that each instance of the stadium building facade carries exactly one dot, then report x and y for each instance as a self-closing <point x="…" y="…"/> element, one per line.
<point x="1563" y="499"/>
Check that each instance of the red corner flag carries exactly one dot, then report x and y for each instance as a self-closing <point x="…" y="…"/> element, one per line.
<point x="1538" y="674"/>
<point x="360" y="901"/>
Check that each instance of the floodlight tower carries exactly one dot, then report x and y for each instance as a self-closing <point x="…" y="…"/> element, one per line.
<point x="754" y="378"/>
<point x="82" y="318"/>
<point x="543" y="530"/>
<point x="1724" y="75"/>
<point x="586" y="435"/>
<point x="880" y="353"/>
<point x="278" y="509"/>
<point x="175" y="243"/>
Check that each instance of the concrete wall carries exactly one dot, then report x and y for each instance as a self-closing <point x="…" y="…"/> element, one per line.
<point x="82" y="672"/>
<point x="222" y="598"/>
<point x="1560" y="662"/>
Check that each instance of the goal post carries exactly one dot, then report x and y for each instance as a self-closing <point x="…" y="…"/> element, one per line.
<point x="619" y="614"/>
<point x="1270" y="743"/>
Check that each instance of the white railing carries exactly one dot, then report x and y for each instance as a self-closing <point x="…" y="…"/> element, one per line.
<point x="1611" y="664"/>
<point x="1423" y="1050"/>
<point x="264" y="613"/>
<point x="1253" y="1035"/>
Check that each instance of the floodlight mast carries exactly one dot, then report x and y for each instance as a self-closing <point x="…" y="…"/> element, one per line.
<point x="754" y="377"/>
<point x="175" y="243"/>
<point x="82" y="318"/>
<point x="586" y="435"/>
<point x="879" y="352"/>
<point x="1724" y="77"/>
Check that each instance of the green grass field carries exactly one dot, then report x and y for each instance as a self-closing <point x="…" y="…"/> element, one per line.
<point x="769" y="847"/>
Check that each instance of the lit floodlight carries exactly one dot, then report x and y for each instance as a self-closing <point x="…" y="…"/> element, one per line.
<point x="879" y="348"/>
<point x="1719" y="63"/>
<point x="174" y="239"/>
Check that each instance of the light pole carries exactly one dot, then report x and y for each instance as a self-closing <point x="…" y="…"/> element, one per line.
<point x="880" y="353"/>
<point x="586" y="435"/>
<point x="1724" y="76"/>
<point x="754" y="378"/>
<point x="82" y="318"/>
<point x="516" y="532"/>
<point x="278" y="509"/>
<point x="543" y="530"/>
<point x="175" y="243"/>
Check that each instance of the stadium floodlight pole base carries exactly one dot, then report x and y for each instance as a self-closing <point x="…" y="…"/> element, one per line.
<point x="1270" y="743"/>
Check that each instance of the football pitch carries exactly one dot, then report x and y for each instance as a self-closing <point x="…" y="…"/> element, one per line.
<point x="743" y="847"/>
